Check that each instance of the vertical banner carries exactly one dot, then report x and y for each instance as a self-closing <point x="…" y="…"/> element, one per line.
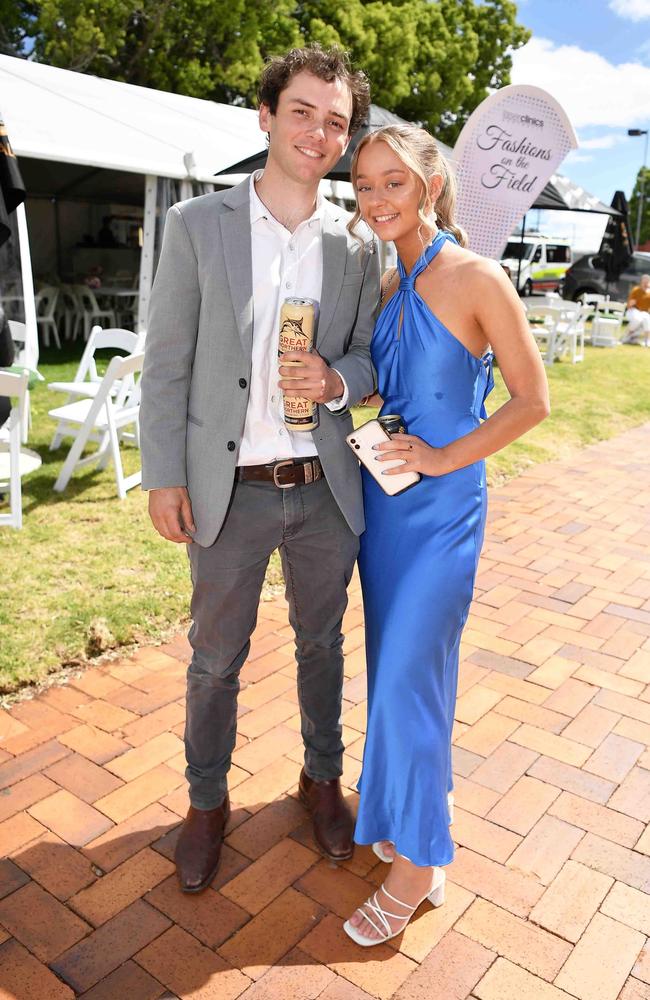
<point x="507" y="151"/>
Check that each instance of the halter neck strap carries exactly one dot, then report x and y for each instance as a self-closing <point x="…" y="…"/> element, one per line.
<point x="407" y="281"/>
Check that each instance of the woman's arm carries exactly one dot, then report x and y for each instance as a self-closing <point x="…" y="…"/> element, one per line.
<point x="501" y="316"/>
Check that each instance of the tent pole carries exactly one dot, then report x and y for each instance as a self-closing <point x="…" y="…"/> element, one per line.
<point x="521" y="250"/>
<point x="147" y="252"/>
<point x="31" y="326"/>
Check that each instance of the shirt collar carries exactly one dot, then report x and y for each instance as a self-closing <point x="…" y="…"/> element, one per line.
<point x="260" y="211"/>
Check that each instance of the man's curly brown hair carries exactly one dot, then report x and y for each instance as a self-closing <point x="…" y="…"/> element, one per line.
<point x="326" y="64"/>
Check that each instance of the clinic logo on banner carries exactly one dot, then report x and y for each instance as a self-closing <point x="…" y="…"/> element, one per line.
<point x="506" y="153"/>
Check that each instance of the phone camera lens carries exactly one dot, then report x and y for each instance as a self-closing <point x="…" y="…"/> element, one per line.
<point x="357" y="447"/>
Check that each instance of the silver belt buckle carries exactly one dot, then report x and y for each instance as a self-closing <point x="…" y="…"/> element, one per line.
<point x="280" y="465"/>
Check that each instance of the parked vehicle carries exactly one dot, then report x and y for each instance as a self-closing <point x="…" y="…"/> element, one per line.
<point x="544" y="262"/>
<point x="587" y="276"/>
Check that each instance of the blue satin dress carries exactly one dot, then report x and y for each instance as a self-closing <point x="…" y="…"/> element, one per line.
<point x="418" y="562"/>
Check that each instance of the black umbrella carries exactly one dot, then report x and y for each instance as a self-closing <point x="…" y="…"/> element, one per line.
<point x="616" y="246"/>
<point x="12" y="189"/>
<point x="377" y="117"/>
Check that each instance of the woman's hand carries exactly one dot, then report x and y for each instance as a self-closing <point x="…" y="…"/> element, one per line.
<point x="415" y="455"/>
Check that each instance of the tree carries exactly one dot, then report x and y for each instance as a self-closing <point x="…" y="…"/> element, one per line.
<point x="634" y="206"/>
<point x="16" y="20"/>
<point x="431" y="61"/>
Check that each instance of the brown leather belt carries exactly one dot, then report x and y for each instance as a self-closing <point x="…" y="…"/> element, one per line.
<point x="290" y="472"/>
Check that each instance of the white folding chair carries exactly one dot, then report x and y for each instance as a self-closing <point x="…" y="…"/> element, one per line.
<point x="562" y="331"/>
<point x="91" y="311"/>
<point x="592" y="298"/>
<point x="546" y="334"/>
<point x="87" y="381"/>
<point x="104" y="419"/>
<point x="15" y="462"/>
<point x="576" y="333"/>
<point x="607" y="324"/>
<point x="46" y="301"/>
<point x="70" y="310"/>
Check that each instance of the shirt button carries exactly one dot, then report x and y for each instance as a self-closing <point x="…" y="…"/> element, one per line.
<point x="231" y="446"/>
<point x="273" y="398"/>
<point x="291" y="247"/>
<point x="243" y="383"/>
<point x="281" y="431"/>
<point x="287" y="284"/>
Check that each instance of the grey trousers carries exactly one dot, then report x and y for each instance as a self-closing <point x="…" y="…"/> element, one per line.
<point x="318" y="551"/>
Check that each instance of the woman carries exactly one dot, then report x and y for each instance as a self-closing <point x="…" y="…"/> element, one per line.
<point x="443" y="309"/>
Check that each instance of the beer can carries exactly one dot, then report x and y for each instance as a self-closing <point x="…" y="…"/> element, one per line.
<point x="297" y="317"/>
<point x="392" y="423"/>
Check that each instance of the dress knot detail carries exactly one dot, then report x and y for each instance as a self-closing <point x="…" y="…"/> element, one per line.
<point x="407" y="283"/>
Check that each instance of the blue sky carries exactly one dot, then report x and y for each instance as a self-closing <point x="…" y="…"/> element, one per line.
<point x="594" y="57"/>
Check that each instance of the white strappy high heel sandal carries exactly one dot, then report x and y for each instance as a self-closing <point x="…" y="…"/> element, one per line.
<point x="436" y="897"/>
<point x="387" y="858"/>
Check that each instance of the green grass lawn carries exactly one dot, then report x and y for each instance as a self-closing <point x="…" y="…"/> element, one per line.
<point x="87" y="571"/>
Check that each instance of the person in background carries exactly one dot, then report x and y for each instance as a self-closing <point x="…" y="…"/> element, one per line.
<point x="638" y="313"/>
<point x="106" y="236"/>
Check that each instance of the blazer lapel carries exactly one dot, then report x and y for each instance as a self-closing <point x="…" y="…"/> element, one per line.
<point x="334" y="254"/>
<point x="236" y="236"/>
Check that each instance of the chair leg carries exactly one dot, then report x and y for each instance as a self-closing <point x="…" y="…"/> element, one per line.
<point x="27" y="419"/>
<point x="15" y="485"/>
<point x="72" y="458"/>
<point x="117" y="457"/>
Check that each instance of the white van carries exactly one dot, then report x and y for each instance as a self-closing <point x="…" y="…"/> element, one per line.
<point x="544" y="262"/>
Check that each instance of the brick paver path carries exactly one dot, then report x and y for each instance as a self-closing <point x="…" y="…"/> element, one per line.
<point x="548" y="895"/>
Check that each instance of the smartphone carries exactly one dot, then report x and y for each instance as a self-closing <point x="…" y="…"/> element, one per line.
<point x="361" y="441"/>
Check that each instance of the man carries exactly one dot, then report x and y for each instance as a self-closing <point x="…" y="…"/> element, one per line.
<point x="225" y="474"/>
<point x="638" y="312"/>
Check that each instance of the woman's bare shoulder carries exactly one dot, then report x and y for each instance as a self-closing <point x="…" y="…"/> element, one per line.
<point x="475" y="269"/>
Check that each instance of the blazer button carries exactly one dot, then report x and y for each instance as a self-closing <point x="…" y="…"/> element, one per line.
<point x="231" y="446"/>
<point x="243" y="383"/>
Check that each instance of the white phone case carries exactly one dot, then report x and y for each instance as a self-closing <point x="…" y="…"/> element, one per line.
<point x="361" y="441"/>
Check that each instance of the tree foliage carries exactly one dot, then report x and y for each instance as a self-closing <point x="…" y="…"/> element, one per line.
<point x="16" y="20"/>
<point x="635" y="205"/>
<point x="431" y="61"/>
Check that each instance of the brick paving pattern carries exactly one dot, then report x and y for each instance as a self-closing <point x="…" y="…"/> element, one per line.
<point x="549" y="894"/>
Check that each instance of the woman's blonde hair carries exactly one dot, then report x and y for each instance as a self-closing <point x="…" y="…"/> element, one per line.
<point x="419" y="153"/>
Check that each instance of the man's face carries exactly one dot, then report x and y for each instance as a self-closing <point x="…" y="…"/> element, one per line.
<point x="309" y="131"/>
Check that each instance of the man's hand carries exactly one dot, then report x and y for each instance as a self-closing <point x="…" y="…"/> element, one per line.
<point x="171" y="513"/>
<point x="314" y="379"/>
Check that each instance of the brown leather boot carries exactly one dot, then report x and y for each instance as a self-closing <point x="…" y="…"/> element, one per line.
<point x="198" y="849"/>
<point x="332" y="819"/>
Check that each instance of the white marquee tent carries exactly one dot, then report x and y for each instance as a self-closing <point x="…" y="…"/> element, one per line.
<point x="96" y="134"/>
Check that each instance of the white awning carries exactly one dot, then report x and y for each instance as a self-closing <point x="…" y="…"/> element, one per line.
<point x="55" y="114"/>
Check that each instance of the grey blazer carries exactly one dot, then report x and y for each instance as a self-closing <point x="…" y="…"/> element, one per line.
<point x="198" y="351"/>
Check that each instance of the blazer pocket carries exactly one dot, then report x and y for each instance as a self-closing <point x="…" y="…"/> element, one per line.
<point x="194" y="420"/>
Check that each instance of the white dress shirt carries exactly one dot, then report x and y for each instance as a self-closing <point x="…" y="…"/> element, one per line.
<point x="285" y="265"/>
